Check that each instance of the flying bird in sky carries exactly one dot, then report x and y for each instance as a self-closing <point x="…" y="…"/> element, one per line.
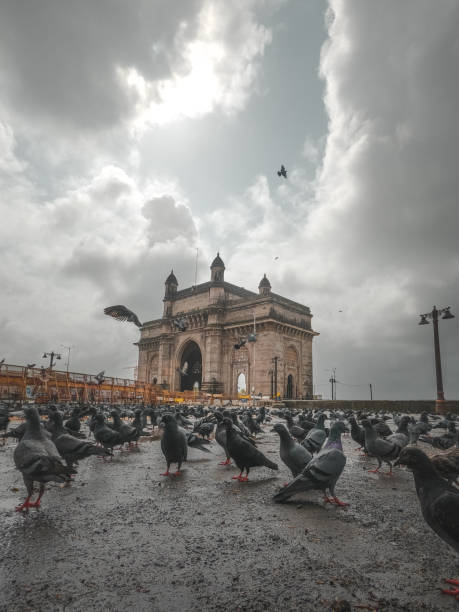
<point x="31" y="365"/>
<point x="121" y="313"/>
<point x="282" y="172"/>
<point x="100" y="377"/>
<point x="276" y="258"/>
<point x="184" y="369"/>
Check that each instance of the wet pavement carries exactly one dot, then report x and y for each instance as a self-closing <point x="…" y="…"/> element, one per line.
<point x="124" y="538"/>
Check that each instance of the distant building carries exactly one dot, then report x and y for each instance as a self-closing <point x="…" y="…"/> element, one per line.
<point x="219" y="317"/>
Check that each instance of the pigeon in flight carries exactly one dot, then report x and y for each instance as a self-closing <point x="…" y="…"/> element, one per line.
<point x="121" y="313"/>
<point x="100" y="377"/>
<point x="240" y="344"/>
<point x="31" y="365"/>
<point x="282" y="172"/>
<point x="184" y="369"/>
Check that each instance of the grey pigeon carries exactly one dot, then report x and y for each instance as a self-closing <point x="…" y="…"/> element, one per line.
<point x="357" y="433"/>
<point x="382" y="450"/>
<point x="195" y="441"/>
<point x="105" y="435"/>
<point x="121" y="313"/>
<point x="38" y="459"/>
<point x="322" y="472"/>
<point x="70" y="448"/>
<point x="295" y="456"/>
<point x="316" y="437"/>
<point x="174" y="444"/>
<point x="401" y="437"/>
<point x="244" y="454"/>
<point x="126" y="432"/>
<point x="447" y="440"/>
<point x="447" y="464"/>
<point x="220" y="437"/>
<point x="4" y="420"/>
<point x="439" y="500"/>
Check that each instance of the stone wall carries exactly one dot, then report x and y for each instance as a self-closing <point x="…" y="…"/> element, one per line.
<point x="402" y="406"/>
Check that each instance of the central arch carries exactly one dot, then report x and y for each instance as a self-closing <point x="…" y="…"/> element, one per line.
<point x="190" y="367"/>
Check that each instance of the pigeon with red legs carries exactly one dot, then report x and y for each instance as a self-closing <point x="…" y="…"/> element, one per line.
<point x="38" y="459"/>
<point x="322" y="472"/>
<point x="174" y="443"/>
<point x="295" y="456"/>
<point x="244" y="454"/>
<point x="382" y="450"/>
<point x="438" y="499"/>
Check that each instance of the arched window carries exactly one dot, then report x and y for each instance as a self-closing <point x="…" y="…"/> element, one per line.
<point x="241" y="383"/>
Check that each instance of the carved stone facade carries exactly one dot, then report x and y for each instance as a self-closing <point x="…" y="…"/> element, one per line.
<point x="273" y="334"/>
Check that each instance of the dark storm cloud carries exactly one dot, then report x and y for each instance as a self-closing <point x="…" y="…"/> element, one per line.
<point x="60" y="60"/>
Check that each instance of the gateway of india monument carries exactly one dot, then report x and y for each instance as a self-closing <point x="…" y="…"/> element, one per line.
<point x="219" y="337"/>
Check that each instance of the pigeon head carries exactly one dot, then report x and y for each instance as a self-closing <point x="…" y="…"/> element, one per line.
<point x="228" y="424"/>
<point x="366" y="424"/>
<point x="280" y="429"/>
<point x="168" y="420"/>
<point x="339" y="427"/>
<point x="32" y="417"/>
<point x="413" y="458"/>
<point x="99" y="418"/>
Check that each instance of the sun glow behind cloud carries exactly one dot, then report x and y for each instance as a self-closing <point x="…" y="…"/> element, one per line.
<point x="219" y="69"/>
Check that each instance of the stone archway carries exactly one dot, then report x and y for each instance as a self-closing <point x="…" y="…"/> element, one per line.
<point x="190" y="367"/>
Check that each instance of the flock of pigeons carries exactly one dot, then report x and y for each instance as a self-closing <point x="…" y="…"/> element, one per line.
<point x="49" y="450"/>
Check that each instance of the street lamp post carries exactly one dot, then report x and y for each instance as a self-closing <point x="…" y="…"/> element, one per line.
<point x="69" y="348"/>
<point x="434" y="316"/>
<point x="274" y="378"/>
<point x="332" y="380"/>
<point x="51" y="356"/>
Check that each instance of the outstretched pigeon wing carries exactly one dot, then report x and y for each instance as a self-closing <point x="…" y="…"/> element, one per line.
<point x="121" y="313"/>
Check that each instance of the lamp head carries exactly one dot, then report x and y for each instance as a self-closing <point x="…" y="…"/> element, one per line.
<point x="447" y="314"/>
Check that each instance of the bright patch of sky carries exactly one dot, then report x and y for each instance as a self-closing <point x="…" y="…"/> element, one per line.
<point x="132" y="134"/>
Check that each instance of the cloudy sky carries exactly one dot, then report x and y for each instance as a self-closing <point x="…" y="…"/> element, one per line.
<point x="133" y="133"/>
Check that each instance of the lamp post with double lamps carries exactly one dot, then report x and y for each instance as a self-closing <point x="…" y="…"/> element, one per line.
<point x="446" y="314"/>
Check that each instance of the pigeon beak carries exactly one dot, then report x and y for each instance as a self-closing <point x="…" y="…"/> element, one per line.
<point x="397" y="462"/>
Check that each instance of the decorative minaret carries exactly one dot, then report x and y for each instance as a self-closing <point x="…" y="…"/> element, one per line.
<point x="217" y="270"/>
<point x="264" y="287"/>
<point x="169" y="295"/>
